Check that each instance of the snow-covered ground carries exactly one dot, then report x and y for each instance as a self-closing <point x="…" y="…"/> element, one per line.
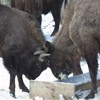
<point x="46" y="75"/>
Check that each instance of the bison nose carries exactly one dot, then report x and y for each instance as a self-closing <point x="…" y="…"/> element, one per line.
<point x="62" y="76"/>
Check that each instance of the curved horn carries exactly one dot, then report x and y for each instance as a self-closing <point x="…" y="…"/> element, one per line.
<point x="42" y="56"/>
<point x="39" y="52"/>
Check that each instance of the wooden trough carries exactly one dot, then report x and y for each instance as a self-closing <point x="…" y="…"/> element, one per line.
<point x="52" y="90"/>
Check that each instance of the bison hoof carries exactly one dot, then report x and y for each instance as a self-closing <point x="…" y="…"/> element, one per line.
<point x="12" y="93"/>
<point x="52" y="34"/>
<point x="25" y="90"/>
<point x="90" y="96"/>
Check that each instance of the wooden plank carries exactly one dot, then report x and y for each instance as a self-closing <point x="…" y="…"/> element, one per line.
<point x="51" y="90"/>
<point x="82" y="81"/>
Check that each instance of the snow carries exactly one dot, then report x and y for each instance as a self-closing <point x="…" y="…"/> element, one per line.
<point x="46" y="75"/>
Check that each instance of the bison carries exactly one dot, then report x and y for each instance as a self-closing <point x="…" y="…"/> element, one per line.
<point x="82" y="25"/>
<point x="39" y="7"/>
<point x="20" y="37"/>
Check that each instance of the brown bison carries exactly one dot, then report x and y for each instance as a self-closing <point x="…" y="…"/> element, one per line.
<point x="38" y="7"/>
<point x="82" y="26"/>
<point x="20" y="40"/>
<point x="20" y="37"/>
<point x="34" y="7"/>
<point x="84" y="32"/>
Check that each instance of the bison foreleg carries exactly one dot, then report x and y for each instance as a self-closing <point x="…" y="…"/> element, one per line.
<point x="93" y="67"/>
<point x="12" y="82"/>
<point x="39" y="19"/>
<point x="56" y="16"/>
<point x="21" y="83"/>
<point x="77" y="69"/>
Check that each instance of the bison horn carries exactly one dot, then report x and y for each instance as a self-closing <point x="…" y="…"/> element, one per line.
<point x="42" y="56"/>
<point x="39" y="52"/>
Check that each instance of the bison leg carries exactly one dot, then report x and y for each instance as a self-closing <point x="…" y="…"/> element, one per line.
<point x="56" y="16"/>
<point x="39" y="19"/>
<point x="93" y="67"/>
<point x="12" y="82"/>
<point x="9" y="62"/>
<point x="21" y="83"/>
<point x="12" y="3"/>
<point x="77" y="70"/>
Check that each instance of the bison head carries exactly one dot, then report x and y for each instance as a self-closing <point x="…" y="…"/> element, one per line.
<point x="29" y="65"/>
<point x="57" y="61"/>
<point x="58" y="65"/>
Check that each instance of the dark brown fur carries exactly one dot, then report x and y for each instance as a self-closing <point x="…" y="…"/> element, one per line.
<point x="20" y="37"/>
<point x="38" y="7"/>
<point x="65" y="55"/>
<point x="34" y="7"/>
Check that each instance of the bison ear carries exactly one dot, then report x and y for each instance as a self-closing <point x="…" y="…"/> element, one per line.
<point x="49" y="47"/>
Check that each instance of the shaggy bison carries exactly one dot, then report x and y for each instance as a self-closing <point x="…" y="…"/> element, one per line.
<point x="38" y="7"/>
<point x="82" y="26"/>
<point x="20" y="37"/>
